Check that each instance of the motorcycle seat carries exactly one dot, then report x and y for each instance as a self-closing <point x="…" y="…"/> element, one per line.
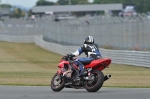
<point x="85" y="61"/>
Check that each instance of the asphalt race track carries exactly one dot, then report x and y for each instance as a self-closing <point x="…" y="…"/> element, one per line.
<point x="13" y="92"/>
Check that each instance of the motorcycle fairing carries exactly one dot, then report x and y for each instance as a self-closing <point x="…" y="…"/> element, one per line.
<point x="99" y="64"/>
<point x="62" y="63"/>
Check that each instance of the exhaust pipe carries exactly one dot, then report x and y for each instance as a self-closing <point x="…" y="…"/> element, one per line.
<point x="107" y="77"/>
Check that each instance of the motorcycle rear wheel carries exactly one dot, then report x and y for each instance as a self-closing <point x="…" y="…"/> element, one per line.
<point x="97" y="81"/>
<point x="57" y="83"/>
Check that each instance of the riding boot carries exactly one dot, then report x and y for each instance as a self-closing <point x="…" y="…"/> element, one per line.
<point x="82" y="72"/>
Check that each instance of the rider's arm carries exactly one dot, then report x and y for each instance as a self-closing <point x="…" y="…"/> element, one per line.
<point x="79" y="51"/>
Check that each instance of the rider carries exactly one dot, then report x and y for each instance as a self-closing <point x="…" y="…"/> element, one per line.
<point x="90" y="49"/>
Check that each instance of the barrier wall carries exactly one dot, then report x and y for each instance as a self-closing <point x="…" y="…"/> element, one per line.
<point x="135" y="58"/>
<point x="19" y="39"/>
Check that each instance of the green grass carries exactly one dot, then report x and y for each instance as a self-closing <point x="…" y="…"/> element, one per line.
<point x="30" y="65"/>
<point x="128" y="76"/>
<point x="26" y="64"/>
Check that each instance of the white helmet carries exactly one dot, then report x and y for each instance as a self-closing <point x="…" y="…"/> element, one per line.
<point x="89" y="40"/>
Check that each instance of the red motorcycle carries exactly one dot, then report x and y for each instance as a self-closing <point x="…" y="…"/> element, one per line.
<point x="67" y="75"/>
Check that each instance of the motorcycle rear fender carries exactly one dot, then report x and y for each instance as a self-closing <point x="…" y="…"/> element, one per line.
<point x="99" y="64"/>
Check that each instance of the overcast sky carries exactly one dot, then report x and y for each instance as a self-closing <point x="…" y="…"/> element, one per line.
<point x="25" y="3"/>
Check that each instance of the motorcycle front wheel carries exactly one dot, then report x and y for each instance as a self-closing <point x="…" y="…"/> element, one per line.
<point x="57" y="83"/>
<point x="96" y="82"/>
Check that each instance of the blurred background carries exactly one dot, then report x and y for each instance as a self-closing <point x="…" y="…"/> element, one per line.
<point x="121" y="28"/>
<point x="115" y="24"/>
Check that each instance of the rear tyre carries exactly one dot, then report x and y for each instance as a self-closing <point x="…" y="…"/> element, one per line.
<point x="96" y="81"/>
<point x="57" y="82"/>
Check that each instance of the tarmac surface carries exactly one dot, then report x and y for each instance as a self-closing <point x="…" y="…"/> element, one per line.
<point x="35" y="92"/>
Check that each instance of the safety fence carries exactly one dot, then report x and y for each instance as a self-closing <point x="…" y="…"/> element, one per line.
<point x="123" y="33"/>
<point x="21" y="27"/>
<point x="128" y="33"/>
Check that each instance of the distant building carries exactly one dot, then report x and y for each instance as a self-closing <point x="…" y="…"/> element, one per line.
<point x="55" y="9"/>
<point x="4" y="12"/>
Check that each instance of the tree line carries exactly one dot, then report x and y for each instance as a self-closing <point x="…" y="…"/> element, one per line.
<point x="61" y="2"/>
<point x="15" y="12"/>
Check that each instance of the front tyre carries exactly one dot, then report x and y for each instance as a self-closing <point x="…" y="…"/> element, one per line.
<point x="96" y="81"/>
<point x="57" y="83"/>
